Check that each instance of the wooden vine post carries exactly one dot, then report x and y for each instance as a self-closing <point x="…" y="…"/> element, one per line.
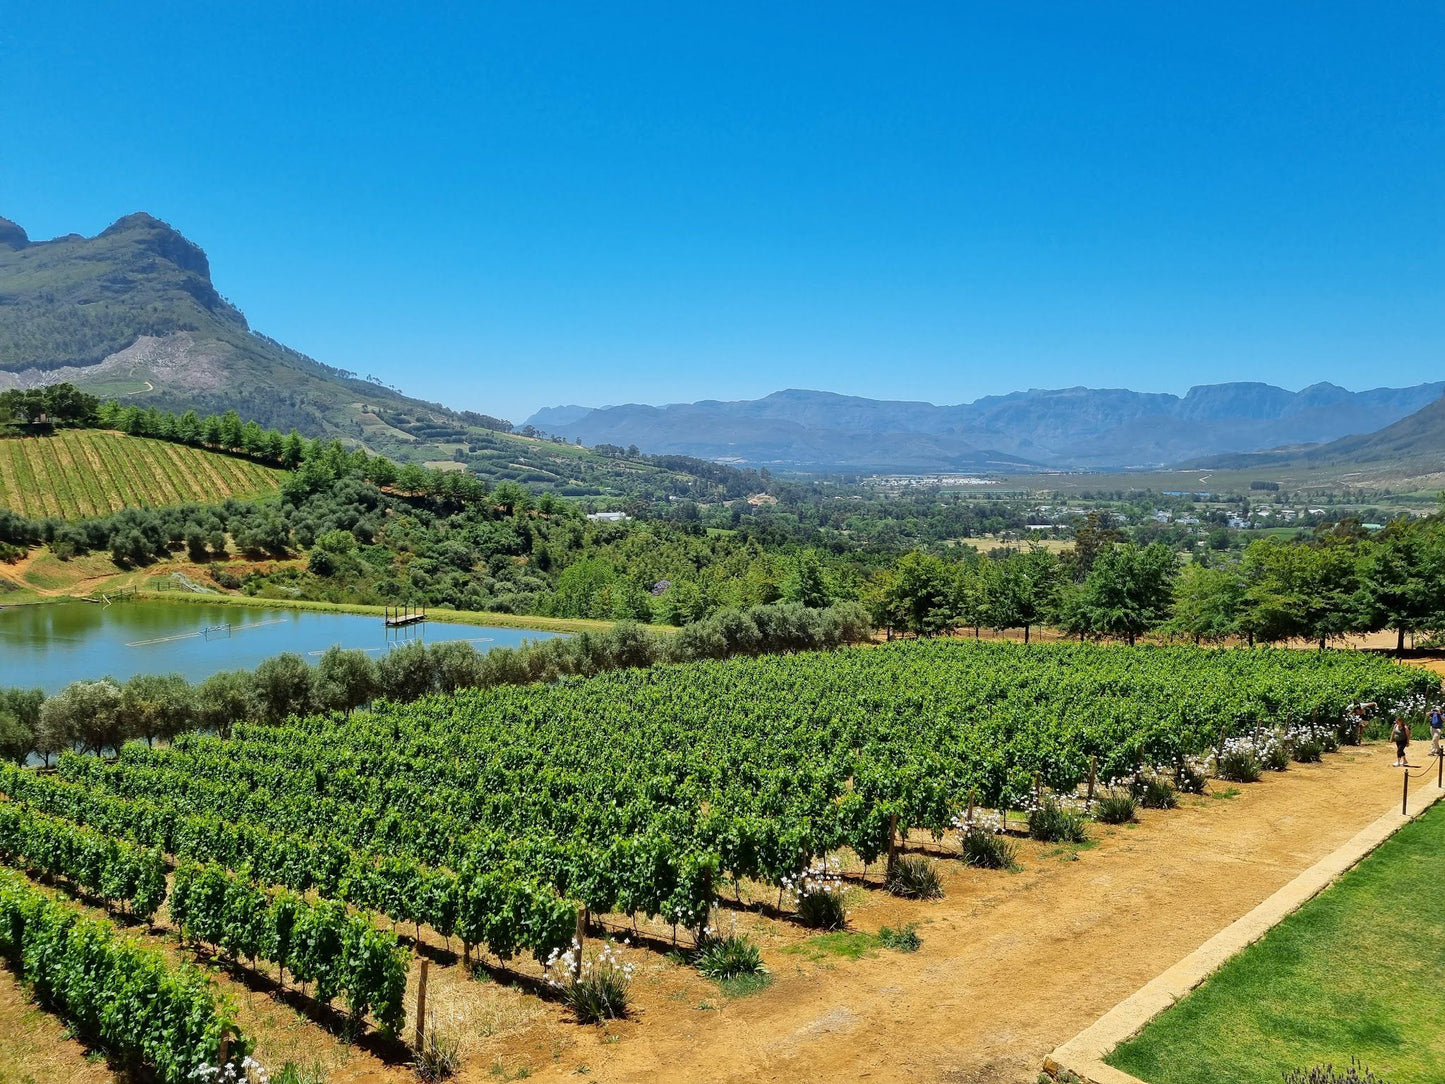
<point x="225" y="1048"/>
<point x="421" y="1006"/>
<point x="1093" y="777"/>
<point x="1038" y="788"/>
<point x="892" y="845"/>
<point x="581" y="938"/>
<point x="700" y="934"/>
<point x="968" y="820"/>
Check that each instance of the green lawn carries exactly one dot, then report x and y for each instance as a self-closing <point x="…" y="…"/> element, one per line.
<point x="1359" y="970"/>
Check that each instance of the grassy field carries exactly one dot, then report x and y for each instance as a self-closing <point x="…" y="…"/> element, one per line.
<point x="1353" y="973"/>
<point x="86" y="472"/>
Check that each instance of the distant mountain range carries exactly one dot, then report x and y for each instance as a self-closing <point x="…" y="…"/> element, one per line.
<point x="133" y="313"/>
<point x="1414" y="446"/>
<point x="1070" y="428"/>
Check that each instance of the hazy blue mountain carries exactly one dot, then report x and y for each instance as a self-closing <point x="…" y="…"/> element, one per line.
<point x="1414" y="445"/>
<point x="1079" y="428"/>
<point x="551" y="419"/>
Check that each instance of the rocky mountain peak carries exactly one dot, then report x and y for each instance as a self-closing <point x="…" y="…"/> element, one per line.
<point x="12" y="236"/>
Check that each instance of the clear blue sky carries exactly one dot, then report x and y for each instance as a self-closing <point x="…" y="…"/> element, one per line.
<point x="507" y="205"/>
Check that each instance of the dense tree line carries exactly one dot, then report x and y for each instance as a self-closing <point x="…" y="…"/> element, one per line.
<point x="104" y="714"/>
<point x="54" y="405"/>
<point x="1338" y="582"/>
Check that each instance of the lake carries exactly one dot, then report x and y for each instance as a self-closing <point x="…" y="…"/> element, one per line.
<point x="51" y="645"/>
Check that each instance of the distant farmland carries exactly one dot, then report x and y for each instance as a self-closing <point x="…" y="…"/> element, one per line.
<point x="86" y="472"/>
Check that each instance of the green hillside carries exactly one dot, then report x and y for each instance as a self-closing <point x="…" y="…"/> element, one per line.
<point x="132" y="313"/>
<point x="87" y="472"/>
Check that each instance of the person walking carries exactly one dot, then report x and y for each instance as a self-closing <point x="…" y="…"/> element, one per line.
<point x="1400" y="735"/>
<point x="1437" y="725"/>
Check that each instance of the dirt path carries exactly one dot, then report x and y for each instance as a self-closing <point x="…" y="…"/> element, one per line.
<point x="1011" y="965"/>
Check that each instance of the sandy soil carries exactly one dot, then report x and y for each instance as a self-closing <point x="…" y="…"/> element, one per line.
<point x="1011" y="963"/>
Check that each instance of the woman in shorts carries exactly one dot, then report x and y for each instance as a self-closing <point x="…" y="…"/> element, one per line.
<point x="1400" y="735"/>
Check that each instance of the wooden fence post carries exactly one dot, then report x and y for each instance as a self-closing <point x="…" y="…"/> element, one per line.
<point x="421" y="1005"/>
<point x="1093" y="775"/>
<point x="225" y="1048"/>
<point x="968" y="821"/>
<point x="1405" y="794"/>
<point x="1038" y="788"/>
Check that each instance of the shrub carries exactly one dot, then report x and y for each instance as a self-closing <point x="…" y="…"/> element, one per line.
<point x="728" y="957"/>
<point x="915" y="878"/>
<point x="902" y="940"/>
<point x="1156" y="792"/>
<point x="1239" y="765"/>
<point x="1328" y="1074"/>
<point x="440" y="1055"/>
<point x="1050" y="822"/>
<point x="822" y="910"/>
<point x="818" y="894"/>
<point x="987" y="850"/>
<point x="1190" y="778"/>
<point x="1308" y="750"/>
<point x="1274" y="753"/>
<point x="598" y="990"/>
<point x="1116" y="807"/>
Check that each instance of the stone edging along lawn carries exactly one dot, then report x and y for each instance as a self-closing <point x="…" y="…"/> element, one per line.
<point x="1083" y="1055"/>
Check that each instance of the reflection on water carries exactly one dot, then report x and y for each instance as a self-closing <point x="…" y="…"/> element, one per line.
<point x="54" y="644"/>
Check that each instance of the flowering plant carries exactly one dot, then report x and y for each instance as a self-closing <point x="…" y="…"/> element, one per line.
<point x="596" y="986"/>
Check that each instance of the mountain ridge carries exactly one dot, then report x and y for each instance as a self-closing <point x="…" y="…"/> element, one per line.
<point x="1412" y="445"/>
<point x="1061" y="428"/>
<point x="133" y="314"/>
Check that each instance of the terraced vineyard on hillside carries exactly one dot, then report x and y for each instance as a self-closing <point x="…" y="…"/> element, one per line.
<point x="84" y="472"/>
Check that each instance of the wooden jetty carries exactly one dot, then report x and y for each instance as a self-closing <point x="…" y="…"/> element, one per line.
<point x="399" y="616"/>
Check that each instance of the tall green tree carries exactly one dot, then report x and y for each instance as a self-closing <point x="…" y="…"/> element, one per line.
<point x="1402" y="580"/>
<point x="1023" y="590"/>
<point x="916" y="596"/>
<point x="157" y="706"/>
<point x="283" y="686"/>
<point x="344" y="680"/>
<point x="806" y="584"/>
<point x="1300" y="591"/>
<point x="1208" y="602"/>
<point x="1127" y="591"/>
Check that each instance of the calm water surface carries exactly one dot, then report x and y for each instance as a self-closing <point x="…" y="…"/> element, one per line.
<point x="54" y="644"/>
